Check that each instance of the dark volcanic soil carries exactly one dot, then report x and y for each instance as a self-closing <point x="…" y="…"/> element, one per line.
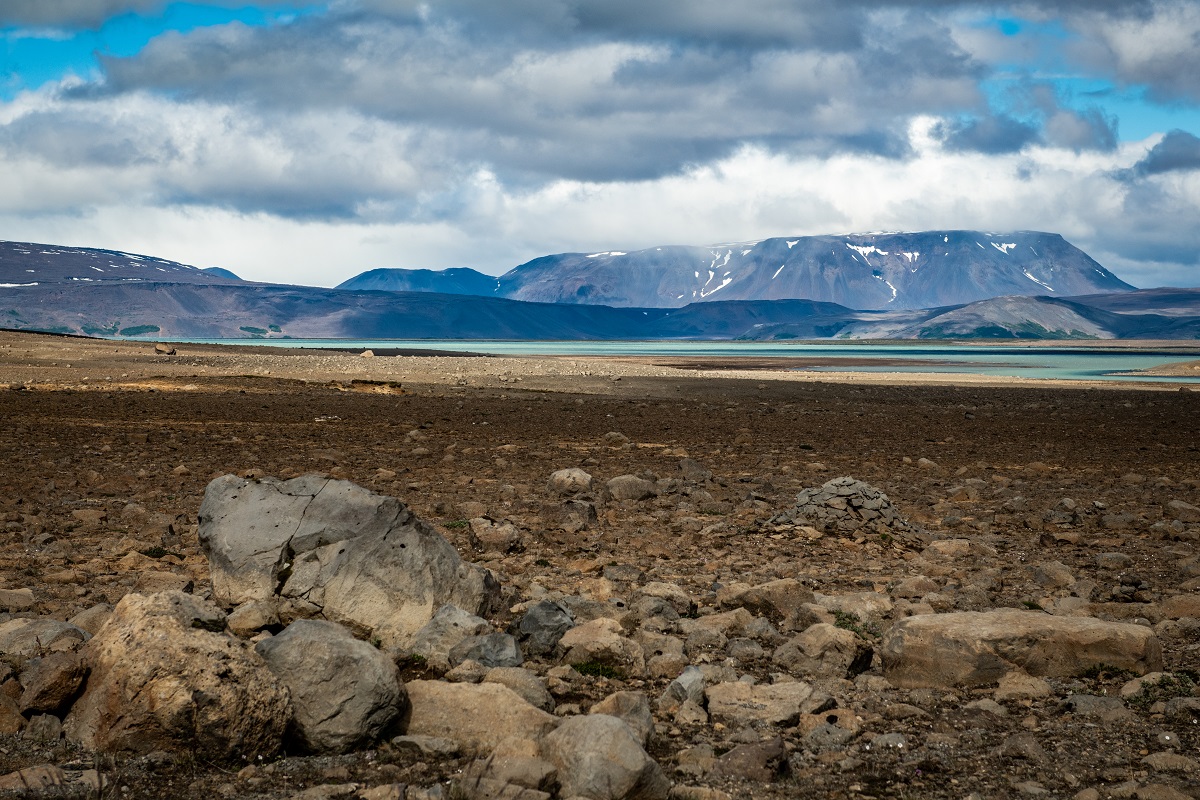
<point x="1004" y="460"/>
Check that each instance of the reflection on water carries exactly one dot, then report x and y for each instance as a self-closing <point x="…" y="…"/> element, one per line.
<point x="1062" y="363"/>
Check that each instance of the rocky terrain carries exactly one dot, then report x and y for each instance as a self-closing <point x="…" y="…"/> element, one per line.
<point x="618" y="580"/>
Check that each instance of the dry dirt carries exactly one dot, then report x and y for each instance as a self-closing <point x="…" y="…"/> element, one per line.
<point x="100" y="426"/>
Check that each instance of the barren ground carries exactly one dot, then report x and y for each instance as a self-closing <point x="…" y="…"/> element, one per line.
<point x="101" y="425"/>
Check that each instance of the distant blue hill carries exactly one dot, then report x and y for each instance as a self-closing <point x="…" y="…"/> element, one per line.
<point x="222" y="272"/>
<point x="457" y="280"/>
<point x="882" y="271"/>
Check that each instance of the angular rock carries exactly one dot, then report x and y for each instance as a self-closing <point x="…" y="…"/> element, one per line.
<point x="345" y="692"/>
<point x="490" y="649"/>
<point x="825" y="651"/>
<point x="779" y="600"/>
<point x="37" y="635"/>
<point x="599" y="757"/>
<point x="16" y="599"/>
<point x="867" y="607"/>
<point x="740" y="704"/>
<point x="543" y="625"/>
<point x="601" y="641"/>
<point x="688" y="687"/>
<point x="477" y="716"/>
<point x="362" y="559"/>
<point x="632" y="708"/>
<point x="672" y="594"/>
<point x="973" y="648"/>
<point x="529" y="686"/>
<point x="52" y="683"/>
<point x="251" y="617"/>
<point x="487" y="535"/>
<point x="165" y="676"/>
<point x="449" y="626"/>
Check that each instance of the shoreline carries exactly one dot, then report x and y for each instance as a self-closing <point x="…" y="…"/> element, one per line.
<point x="47" y="362"/>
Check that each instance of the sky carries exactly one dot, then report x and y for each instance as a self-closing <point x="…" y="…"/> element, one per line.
<point x="305" y="142"/>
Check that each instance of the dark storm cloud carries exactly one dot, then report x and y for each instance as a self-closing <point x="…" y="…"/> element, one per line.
<point x="1178" y="151"/>
<point x="578" y="106"/>
<point x="68" y="12"/>
<point x="992" y="135"/>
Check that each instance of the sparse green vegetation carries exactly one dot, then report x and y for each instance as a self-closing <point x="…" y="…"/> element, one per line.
<point x="1106" y="672"/>
<point x="850" y="622"/>
<point x="100" y="330"/>
<point x="250" y="329"/>
<point x="459" y="523"/>
<point x="158" y="552"/>
<point x="1175" y="684"/>
<point x="275" y="329"/>
<point x="597" y="670"/>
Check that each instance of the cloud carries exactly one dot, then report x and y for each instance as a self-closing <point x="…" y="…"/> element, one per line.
<point x="1158" y="48"/>
<point x="1178" y="151"/>
<point x="470" y="133"/>
<point x="580" y="107"/>
<point x="992" y="135"/>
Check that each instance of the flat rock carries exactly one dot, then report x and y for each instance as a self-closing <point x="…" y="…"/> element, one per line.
<point x="630" y="487"/>
<point x="974" y="648"/>
<point x="477" y="716"/>
<point x="740" y="704"/>
<point x="344" y="691"/>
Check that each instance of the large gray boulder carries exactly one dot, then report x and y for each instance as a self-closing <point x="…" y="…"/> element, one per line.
<point x="166" y="676"/>
<point x="359" y="558"/>
<point x="344" y="691"/>
<point x="600" y="757"/>
<point x="976" y="648"/>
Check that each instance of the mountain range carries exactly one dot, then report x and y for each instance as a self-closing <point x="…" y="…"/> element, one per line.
<point x="110" y="293"/>
<point x="884" y="271"/>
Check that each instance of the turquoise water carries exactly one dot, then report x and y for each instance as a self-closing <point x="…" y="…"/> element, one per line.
<point x="1062" y="363"/>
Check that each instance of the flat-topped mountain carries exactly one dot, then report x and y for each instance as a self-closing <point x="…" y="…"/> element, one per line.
<point x="108" y="293"/>
<point x="886" y="271"/>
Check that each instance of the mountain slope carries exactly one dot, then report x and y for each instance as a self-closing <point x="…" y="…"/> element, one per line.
<point x="875" y="271"/>
<point x="458" y="280"/>
<point x="24" y="263"/>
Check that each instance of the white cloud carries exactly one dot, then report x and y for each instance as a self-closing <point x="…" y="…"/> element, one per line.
<point x="752" y="194"/>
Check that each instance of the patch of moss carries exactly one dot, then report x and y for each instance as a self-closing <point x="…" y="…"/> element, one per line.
<point x="597" y="670"/>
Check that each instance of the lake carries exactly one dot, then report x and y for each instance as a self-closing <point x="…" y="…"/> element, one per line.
<point x="1083" y="362"/>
